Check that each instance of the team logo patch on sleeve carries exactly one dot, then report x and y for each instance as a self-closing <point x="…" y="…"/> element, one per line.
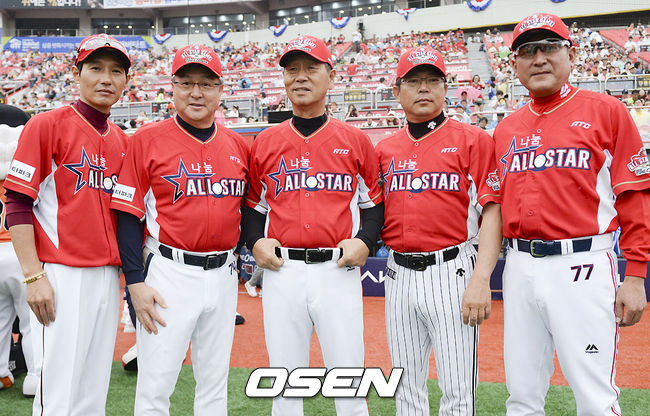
<point x="639" y="163"/>
<point x="21" y="170"/>
<point x="493" y="181"/>
<point x="124" y="192"/>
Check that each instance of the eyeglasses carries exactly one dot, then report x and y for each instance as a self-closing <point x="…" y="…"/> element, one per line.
<point x="203" y="86"/>
<point x="547" y="46"/>
<point x="416" y="82"/>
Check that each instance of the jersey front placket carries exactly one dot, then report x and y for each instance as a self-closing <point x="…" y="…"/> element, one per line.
<point x="206" y="150"/>
<point x="109" y="151"/>
<point x="306" y="148"/>
<point x="210" y="202"/>
<point x="532" y="202"/>
<point x="530" y="209"/>
<point x="417" y="150"/>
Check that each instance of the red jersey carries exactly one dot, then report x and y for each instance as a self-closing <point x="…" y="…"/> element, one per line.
<point x="70" y="170"/>
<point x="188" y="191"/>
<point x="311" y="187"/>
<point x="563" y="160"/>
<point x="435" y="186"/>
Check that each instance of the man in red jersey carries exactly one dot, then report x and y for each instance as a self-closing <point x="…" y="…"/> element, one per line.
<point x="572" y="170"/>
<point x="308" y="178"/>
<point x="439" y="177"/>
<point x="184" y="177"/>
<point x="59" y="188"/>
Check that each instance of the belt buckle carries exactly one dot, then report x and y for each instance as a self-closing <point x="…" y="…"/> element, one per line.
<point x="211" y="262"/>
<point x="416" y="262"/>
<point x="313" y="255"/>
<point x="532" y="248"/>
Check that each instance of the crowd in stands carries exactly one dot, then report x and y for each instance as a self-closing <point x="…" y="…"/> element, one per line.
<point x="251" y="71"/>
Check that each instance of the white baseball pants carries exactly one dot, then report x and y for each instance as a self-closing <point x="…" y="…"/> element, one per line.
<point x="77" y="348"/>
<point x="201" y="307"/>
<point x="12" y="303"/>
<point x="562" y="303"/>
<point x="423" y="311"/>
<point x="301" y="297"/>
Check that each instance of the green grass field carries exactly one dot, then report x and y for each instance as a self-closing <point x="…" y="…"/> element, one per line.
<point x="491" y="398"/>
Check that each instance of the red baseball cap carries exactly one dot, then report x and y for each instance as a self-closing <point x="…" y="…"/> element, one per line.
<point x="310" y="45"/>
<point x="197" y="54"/>
<point x="539" y="21"/>
<point x="99" y="41"/>
<point x="422" y="55"/>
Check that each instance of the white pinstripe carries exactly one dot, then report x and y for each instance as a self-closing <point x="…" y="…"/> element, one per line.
<point x="423" y="311"/>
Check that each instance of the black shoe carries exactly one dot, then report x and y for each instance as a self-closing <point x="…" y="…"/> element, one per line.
<point x="239" y="319"/>
<point x="130" y="359"/>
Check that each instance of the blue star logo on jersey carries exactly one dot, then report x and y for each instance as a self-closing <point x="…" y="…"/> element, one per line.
<point x="182" y="171"/>
<point x="75" y="168"/>
<point x="282" y="169"/>
<point x="512" y="150"/>
<point x="392" y="171"/>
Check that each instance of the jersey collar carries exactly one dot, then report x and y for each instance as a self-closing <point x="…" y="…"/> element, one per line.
<point x="85" y="120"/>
<point x="546" y="105"/>
<point x="429" y="134"/>
<point x="188" y="134"/>
<point x="295" y="130"/>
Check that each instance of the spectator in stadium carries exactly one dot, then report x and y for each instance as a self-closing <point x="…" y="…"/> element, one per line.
<point x="523" y="101"/>
<point x="160" y="96"/>
<point x="476" y="82"/>
<point x="392" y="120"/>
<point x="352" y="68"/>
<point x="251" y="119"/>
<point x="631" y="46"/>
<point x="464" y="104"/>
<point x="133" y="95"/>
<point x="264" y="105"/>
<point x="625" y="97"/>
<point x="356" y="40"/>
<point x="496" y="121"/>
<point x="370" y="120"/>
<point x="352" y="112"/>
<point x="220" y="114"/>
<point x="640" y="115"/>
<point x="234" y="112"/>
<point x="483" y="122"/>
<point x="244" y="83"/>
<point x="142" y="118"/>
<point x="504" y="52"/>
<point x="644" y="43"/>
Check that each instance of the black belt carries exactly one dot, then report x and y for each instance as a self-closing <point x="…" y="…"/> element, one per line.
<point x="211" y="261"/>
<point x="310" y="255"/>
<point x="420" y="262"/>
<point x="543" y="248"/>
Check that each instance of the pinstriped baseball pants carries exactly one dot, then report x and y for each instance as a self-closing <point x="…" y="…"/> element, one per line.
<point x="423" y="311"/>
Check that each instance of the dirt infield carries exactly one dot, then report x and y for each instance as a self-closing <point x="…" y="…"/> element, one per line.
<point x="249" y="350"/>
